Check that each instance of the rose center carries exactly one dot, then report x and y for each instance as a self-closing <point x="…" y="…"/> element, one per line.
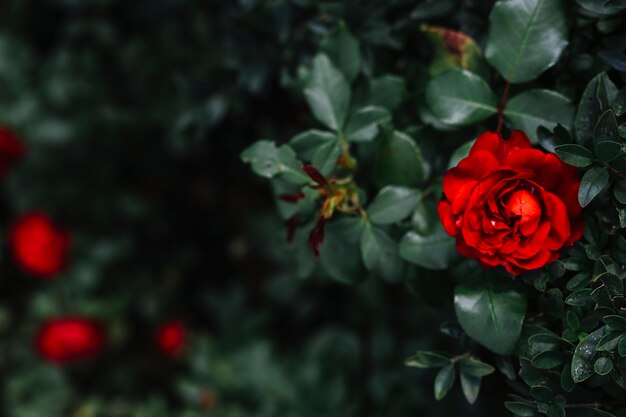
<point x="524" y="205"/>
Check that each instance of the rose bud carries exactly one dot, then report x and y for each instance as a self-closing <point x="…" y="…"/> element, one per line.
<point x="314" y="174"/>
<point x="511" y="205"/>
<point x="68" y="339"/>
<point x="171" y="338"/>
<point x="316" y="237"/>
<point x="11" y="149"/>
<point x="38" y="246"/>
<point x="291" y="198"/>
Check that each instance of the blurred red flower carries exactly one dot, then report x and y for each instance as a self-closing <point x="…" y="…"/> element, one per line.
<point x="38" y="246"/>
<point x="171" y="337"/>
<point x="67" y="339"/>
<point x="11" y="149"/>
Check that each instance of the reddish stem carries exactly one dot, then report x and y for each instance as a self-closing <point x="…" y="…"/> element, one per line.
<point x="502" y="105"/>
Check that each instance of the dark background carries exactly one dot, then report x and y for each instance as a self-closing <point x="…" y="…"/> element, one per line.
<point x="134" y="114"/>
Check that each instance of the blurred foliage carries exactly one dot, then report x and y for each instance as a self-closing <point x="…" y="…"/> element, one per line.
<point x="135" y="113"/>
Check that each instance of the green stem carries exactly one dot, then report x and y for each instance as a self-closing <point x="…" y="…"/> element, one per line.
<point x="502" y="105"/>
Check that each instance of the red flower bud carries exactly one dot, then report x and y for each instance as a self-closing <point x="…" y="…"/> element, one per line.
<point x="171" y="338"/>
<point x="316" y="238"/>
<point x="314" y="174"/>
<point x="38" y="246"/>
<point x="291" y="198"/>
<point x="11" y="149"/>
<point x="68" y="339"/>
<point x="292" y="224"/>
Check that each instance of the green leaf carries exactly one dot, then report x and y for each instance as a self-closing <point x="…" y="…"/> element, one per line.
<point x="548" y="359"/>
<point x="541" y="392"/>
<point x="444" y="381"/>
<point x="326" y="156"/>
<point x="606" y="137"/>
<point x="453" y="49"/>
<point x="435" y="251"/>
<point x="306" y="143"/>
<point x="525" y="37"/>
<point x="621" y="346"/>
<point x="533" y="108"/>
<point x="470" y="385"/>
<point x="387" y="91"/>
<point x="328" y="93"/>
<point x="424" y="359"/>
<point x="594" y="101"/>
<point x="619" y="191"/>
<point x="491" y="312"/>
<point x="380" y="254"/>
<point x="556" y="410"/>
<point x="363" y="124"/>
<point x="343" y="49"/>
<point x="609" y="341"/>
<point x="575" y="155"/>
<point x="340" y="254"/>
<point x="602" y="7"/>
<point x="584" y="354"/>
<point x="460" y="98"/>
<point x="579" y="298"/>
<point x="593" y="183"/>
<point x="398" y="161"/>
<point x="521" y="409"/>
<point x="603" y="366"/>
<point x="567" y="383"/>
<point x="393" y="204"/>
<point x="615" y="322"/>
<point x="460" y="153"/>
<point x="270" y="161"/>
<point x="475" y="367"/>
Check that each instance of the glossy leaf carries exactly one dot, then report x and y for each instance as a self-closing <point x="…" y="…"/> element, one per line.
<point x="584" y="354"/>
<point x="470" y="385"/>
<point x="363" y="124"/>
<point x="520" y="408"/>
<point x="393" y="204"/>
<point x="398" y="161"/>
<point x="444" y="381"/>
<point x="306" y="143"/>
<point x="491" y="312"/>
<point x="533" y="108"/>
<point x="526" y="37"/>
<point x="326" y="156"/>
<point x="435" y="251"/>
<point x="593" y="183"/>
<point x="268" y="160"/>
<point x="594" y="101"/>
<point x="603" y="365"/>
<point x="424" y="359"/>
<point x="344" y="51"/>
<point x="380" y="254"/>
<point x="387" y="91"/>
<point x="575" y="155"/>
<point x="328" y="93"/>
<point x="460" y="98"/>
<point x="340" y="254"/>
<point x="606" y="137"/>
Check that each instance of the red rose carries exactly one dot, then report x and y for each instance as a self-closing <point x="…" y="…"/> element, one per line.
<point x="11" y="149"/>
<point x="39" y="246"/>
<point x="68" y="339"/>
<point x="511" y="205"/>
<point x="171" y="337"/>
